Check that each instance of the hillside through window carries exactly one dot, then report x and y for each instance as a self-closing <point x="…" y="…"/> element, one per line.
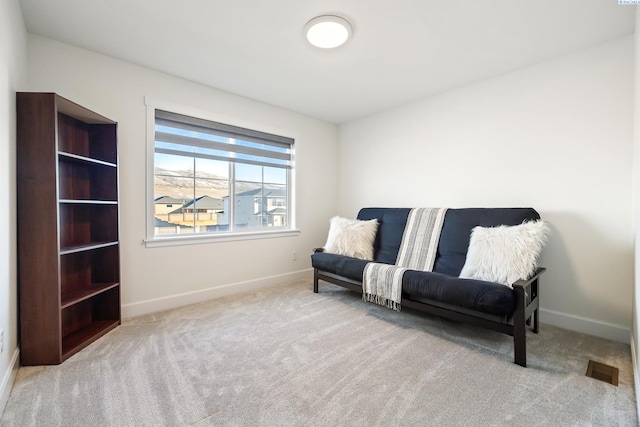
<point x="214" y="178"/>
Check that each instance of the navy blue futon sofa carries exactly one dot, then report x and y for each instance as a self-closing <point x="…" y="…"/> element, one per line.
<point x="441" y="292"/>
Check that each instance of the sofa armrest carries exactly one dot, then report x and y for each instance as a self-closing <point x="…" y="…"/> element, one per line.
<point x="528" y="290"/>
<point x="527" y="305"/>
<point x="524" y="284"/>
<point x="316" y="250"/>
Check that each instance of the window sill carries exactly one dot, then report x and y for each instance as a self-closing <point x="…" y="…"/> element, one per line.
<point x="217" y="238"/>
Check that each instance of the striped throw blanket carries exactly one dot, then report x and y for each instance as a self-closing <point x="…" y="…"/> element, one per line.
<point x="382" y="283"/>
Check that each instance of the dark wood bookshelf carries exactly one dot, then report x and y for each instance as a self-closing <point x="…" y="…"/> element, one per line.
<point x="68" y="227"/>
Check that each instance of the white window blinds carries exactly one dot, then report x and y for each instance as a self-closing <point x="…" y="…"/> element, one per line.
<point x="181" y="135"/>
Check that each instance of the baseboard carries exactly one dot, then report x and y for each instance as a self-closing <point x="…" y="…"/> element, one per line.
<point x="8" y="379"/>
<point x="585" y="325"/>
<point x="177" y="300"/>
<point x="636" y="374"/>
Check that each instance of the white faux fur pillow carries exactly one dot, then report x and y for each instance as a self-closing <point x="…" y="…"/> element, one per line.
<point x="504" y="254"/>
<point x="352" y="237"/>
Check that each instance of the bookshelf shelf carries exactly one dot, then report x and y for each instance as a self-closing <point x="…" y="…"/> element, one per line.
<point x="71" y="298"/>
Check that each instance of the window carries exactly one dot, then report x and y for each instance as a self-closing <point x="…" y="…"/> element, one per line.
<point x="216" y="179"/>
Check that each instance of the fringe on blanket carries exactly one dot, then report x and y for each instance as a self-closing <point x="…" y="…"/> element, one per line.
<point x="377" y="299"/>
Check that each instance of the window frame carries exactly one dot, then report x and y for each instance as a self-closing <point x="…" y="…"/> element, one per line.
<point x="151" y="240"/>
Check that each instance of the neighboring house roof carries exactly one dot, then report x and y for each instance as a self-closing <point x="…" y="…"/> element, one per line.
<point x="160" y="223"/>
<point x="205" y="202"/>
<point x="168" y="200"/>
<point x="259" y="192"/>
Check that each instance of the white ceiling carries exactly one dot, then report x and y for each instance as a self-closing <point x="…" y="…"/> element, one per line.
<point x="401" y="50"/>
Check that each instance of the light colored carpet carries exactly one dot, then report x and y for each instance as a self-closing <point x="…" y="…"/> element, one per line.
<point x="288" y="357"/>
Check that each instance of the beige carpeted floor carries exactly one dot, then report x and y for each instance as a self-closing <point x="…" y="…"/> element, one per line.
<point x="288" y="357"/>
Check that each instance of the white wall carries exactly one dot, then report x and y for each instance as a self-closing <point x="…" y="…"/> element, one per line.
<point x="636" y="214"/>
<point x="117" y="89"/>
<point x="556" y="136"/>
<point x="13" y="68"/>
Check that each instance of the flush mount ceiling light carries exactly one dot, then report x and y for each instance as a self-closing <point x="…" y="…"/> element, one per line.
<point x="327" y="31"/>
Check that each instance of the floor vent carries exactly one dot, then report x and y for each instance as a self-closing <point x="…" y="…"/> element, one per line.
<point x="602" y="372"/>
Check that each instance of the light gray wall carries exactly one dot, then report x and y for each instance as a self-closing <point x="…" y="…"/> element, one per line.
<point x="13" y="70"/>
<point x="152" y="277"/>
<point x="636" y="214"/>
<point x="556" y="136"/>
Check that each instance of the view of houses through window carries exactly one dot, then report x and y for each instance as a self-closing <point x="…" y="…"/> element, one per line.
<point x="216" y="178"/>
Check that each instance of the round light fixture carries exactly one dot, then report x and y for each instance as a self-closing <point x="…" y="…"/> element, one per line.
<point x="327" y="31"/>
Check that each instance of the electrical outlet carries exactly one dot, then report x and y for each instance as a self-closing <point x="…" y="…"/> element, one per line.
<point x="294" y="256"/>
<point x="1" y="341"/>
